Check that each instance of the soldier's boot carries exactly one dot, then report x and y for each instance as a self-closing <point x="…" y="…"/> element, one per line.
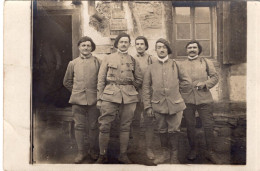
<point x="103" y="145"/>
<point x="174" y="139"/>
<point x="192" y="155"/>
<point x="79" y="136"/>
<point x="80" y="157"/>
<point x="124" y="139"/>
<point x="149" y="139"/>
<point x="163" y="157"/>
<point x="93" y="139"/>
<point x="102" y="159"/>
<point x="210" y="154"/>
<point x="133" y="146"/>
<point x="165" y="151"/>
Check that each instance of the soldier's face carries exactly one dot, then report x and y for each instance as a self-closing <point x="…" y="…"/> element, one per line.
<point x="192" y="50"/>
<point x="123" y="44"/>
<point x="161" y="50"/>
<point x="85" y="48"/>
<point x="140" y="46"/>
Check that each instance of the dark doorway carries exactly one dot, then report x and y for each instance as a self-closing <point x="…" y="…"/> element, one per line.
<point x="52" y="51"/>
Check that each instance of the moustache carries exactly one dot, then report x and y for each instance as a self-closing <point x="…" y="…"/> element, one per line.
<point x="192" y="52"/>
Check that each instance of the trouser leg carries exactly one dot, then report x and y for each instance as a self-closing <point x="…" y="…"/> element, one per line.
<point x="79" y="113"/>
<point x="108" y="115"/>
<point x="189" y="116"/>
<point x="206" y="113"/>
<point x="93" y="114"/>
<point x="126" y="119"/>
<point x="149" y="133"/>
<point x="174" y="141"/>
<point x="163" y="129"/>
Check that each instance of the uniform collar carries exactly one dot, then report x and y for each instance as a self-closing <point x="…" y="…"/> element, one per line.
<point x="85" y="57"/>
<point x="141" y="55"/>
<point x="165" y="59"/>
<point x="119" y="51"/>
<point x="193" y="58"/>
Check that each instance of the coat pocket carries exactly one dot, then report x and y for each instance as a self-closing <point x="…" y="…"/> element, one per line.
<point x="132" y="93"/>
<point x="112" y="65"/>
<point x="155" y="101"/>
<point x="108" y="92"/>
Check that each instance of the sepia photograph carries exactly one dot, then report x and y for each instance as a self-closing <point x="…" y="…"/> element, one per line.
<point x="139" y="82"/>
<point x="131" y="85"/>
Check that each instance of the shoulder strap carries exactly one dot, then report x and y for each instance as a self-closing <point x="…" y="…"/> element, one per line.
<point x="150" y="61"/>
<point x="97" y="64"/>
<point x="133" y="60"/>
<point x="207" y="65"/>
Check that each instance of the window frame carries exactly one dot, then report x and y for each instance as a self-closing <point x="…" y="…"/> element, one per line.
<point x="213" y="23"/>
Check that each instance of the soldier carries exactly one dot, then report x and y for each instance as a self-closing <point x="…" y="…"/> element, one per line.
<point x="81" y="80"/>
<point x="144" y="59"/>
<point x="118" y="78"/>
<point x="204" y="76"/>
<point x="162" y="99"/>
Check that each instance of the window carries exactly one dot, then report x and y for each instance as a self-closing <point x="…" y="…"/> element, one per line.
<point x="194" y="21"/>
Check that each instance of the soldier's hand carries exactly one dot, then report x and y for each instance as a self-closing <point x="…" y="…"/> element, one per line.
<point x="200" y="85"/>
<point x="99" y="102"/>
<point x="149" y="112"/>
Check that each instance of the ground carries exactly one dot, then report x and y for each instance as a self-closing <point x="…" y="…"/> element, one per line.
<point x="54" y="142"/>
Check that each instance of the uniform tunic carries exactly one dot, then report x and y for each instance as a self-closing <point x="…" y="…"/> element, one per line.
<point x="161" y="87"/>
<point x="81" y="79"/>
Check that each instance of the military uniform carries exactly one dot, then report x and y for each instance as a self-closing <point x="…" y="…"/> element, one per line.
<point x="199" y="70"/>
<point x="81" y="80"/>
<point x="119" y="77"/>
<point x="144" y="61"/>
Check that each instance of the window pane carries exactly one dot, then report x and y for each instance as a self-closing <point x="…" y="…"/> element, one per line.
<point x="182" y="14"/>
<point x="183" y="31"/>
<point x="202" y="15"/>
<point x="180" y="47"/>
<point x="202" y="31"/>
<point x="206" y="51"/>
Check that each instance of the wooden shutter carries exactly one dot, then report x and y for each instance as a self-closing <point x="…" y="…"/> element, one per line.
<point x="234" y="32"/>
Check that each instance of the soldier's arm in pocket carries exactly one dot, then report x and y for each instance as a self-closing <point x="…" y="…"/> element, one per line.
<point x="68" y="78"/>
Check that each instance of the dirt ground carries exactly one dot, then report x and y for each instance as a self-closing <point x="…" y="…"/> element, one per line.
<point x="54" y="142"/>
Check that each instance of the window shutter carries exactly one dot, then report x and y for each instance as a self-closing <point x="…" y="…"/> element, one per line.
<point x="234" y="32"/>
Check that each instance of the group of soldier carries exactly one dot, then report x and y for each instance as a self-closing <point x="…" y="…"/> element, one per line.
<point x="156" y="88"/>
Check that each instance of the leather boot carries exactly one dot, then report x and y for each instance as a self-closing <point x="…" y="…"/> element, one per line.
<point x="102" y="159"/>
<point x="103" y="142"/>
<point x="123" y="159"/>
<point x="174" y="141"/>
<point x="124" y="139"/>
<point x="163" y="157"/>
<point x="149" y="139"/>
<point x="80" y="157"/>
<point x="79" y="136"/>
<point x="193" y="144"/>
<point x="93" y="142"/>
<point x="165" y="151"/>
<point x="192" y="155"/>
<point x="211" y="155"/>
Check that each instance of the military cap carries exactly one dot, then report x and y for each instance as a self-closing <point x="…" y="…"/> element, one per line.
<point x="119" y="37"/>
<point x="166" y="43"/>
<point x="86" y="38"/>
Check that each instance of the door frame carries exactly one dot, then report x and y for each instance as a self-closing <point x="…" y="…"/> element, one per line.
<point x="76" y="24"/>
